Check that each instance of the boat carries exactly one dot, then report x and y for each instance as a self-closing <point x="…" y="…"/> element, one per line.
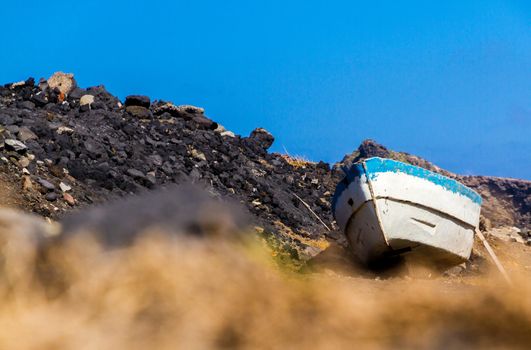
<point x="387" y="208"/>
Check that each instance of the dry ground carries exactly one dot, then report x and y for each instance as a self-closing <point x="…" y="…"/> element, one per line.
<point x="185" y="293"/>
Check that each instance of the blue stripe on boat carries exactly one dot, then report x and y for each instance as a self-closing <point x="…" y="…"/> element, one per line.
<point x="380" y="165"/>
<point x="375" y="166"/>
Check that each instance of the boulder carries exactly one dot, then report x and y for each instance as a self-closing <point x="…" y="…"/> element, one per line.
<point x="26" y="105"/>
<point x="191" y="109"/>
<point x="40" y="99"/>
<point x="262" y="137"/>
<point x="15" y="145"/>
<point x="86" y="100"/>
<point x="64" y="82"/>
<point x="204" y="122"/>
<point x="183" y="111"/>
<point x="139" y="112"/>
<point x="137" y="100"/>
<point x="25" y="134"/>
<point x="51" y="196"/>
<point x="370" y="148"/>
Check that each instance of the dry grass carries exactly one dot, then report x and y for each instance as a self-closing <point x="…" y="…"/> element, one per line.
<point x="189" y="293"/>
<point x="296" y="161"/>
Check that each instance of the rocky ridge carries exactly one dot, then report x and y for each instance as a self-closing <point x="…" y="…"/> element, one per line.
<point x="76" y="147"/>
<point x="64" y="147"/>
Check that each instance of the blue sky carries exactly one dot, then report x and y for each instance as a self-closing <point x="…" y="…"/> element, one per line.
<point x="448" y="80"/>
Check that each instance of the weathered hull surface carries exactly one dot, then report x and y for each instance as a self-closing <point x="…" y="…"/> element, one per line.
<point x="386" y="207"/>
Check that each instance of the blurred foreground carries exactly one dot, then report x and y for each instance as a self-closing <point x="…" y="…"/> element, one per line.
<point x="166" y="290"/>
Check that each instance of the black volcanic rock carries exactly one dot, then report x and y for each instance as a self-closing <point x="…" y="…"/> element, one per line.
<point x="138" y="100"/>
<point x="370" y="148"/>
<point x="262" y="137"/>
<point x="139" y="112"/>
<point x="107" y="151"/>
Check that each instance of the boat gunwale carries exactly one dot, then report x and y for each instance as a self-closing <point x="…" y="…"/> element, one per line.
<point x="383" y="165"/>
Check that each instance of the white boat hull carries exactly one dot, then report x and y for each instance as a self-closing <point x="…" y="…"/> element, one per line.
<point x="387" y="208"/>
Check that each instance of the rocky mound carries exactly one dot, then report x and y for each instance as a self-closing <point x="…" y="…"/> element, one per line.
<point x="65" y="146"/>
<point x="62" y="147"/>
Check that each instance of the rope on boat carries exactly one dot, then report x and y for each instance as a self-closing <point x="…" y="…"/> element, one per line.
<point x="494" y="257"/>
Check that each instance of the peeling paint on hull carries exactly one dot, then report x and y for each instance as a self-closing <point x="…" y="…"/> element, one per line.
<point x="384" y="206"/>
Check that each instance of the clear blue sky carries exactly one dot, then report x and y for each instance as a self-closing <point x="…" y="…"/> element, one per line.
<point x="446" y="80"/>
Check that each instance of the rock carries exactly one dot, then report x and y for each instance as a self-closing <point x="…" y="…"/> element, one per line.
<point x="484" y="224"/>
<point x="13" y="129"/>
<point x="182" y="111"/>
<point x="223" y="132"/>
<point x="227" y="134"/>
<point x="139" y="112"/>
<point x="150" y="181"/>
<point x="27" y="185"/>
<point x="23" y="162"/>
<point x="69" y="199"/>
<point x="205" y="122"/>
<point x="25" y="134"/>
<point x="191" y="109"/>
<point x="26" y="105"/>
<point x="64" y="130"/>
<point x="40" y="99"/>
<point x="77" y="93"/>
<point x="17" y="84"/>
<point x="137" y="100"/>
<point x="51" y="196"/>
<point x="262" y="137"/>
<point x="86" y="100"/>
<point x="370" y="148"/>
<point x="30" y="82"/>
<point x="156" y="160"/>
<point x="6" y="119"/>
<point x="94" y="149"/>
<point x="15" y="145"/>
<point x="43" y="84"/>
<point x="56" y="170"/>
<point x="47" y="185"/>
<point x="137" y="174"/>
<point x="198" y="155"/>
<point x="220" y="128"/>
<point x="508" y="233"/>
<point x="455" y="271"/>
<point x="323" y="166"/>
<point x="64" y="187"/>
<point x="64" y="82"/>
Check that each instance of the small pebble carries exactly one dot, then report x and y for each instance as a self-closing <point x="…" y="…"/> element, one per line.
<point x="64" y="187"/>
<point x="69" y="199"/>
<point x="51" y="196"/>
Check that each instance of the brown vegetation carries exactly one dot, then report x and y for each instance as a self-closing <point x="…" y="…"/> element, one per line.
<point x="192" y="293"/>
